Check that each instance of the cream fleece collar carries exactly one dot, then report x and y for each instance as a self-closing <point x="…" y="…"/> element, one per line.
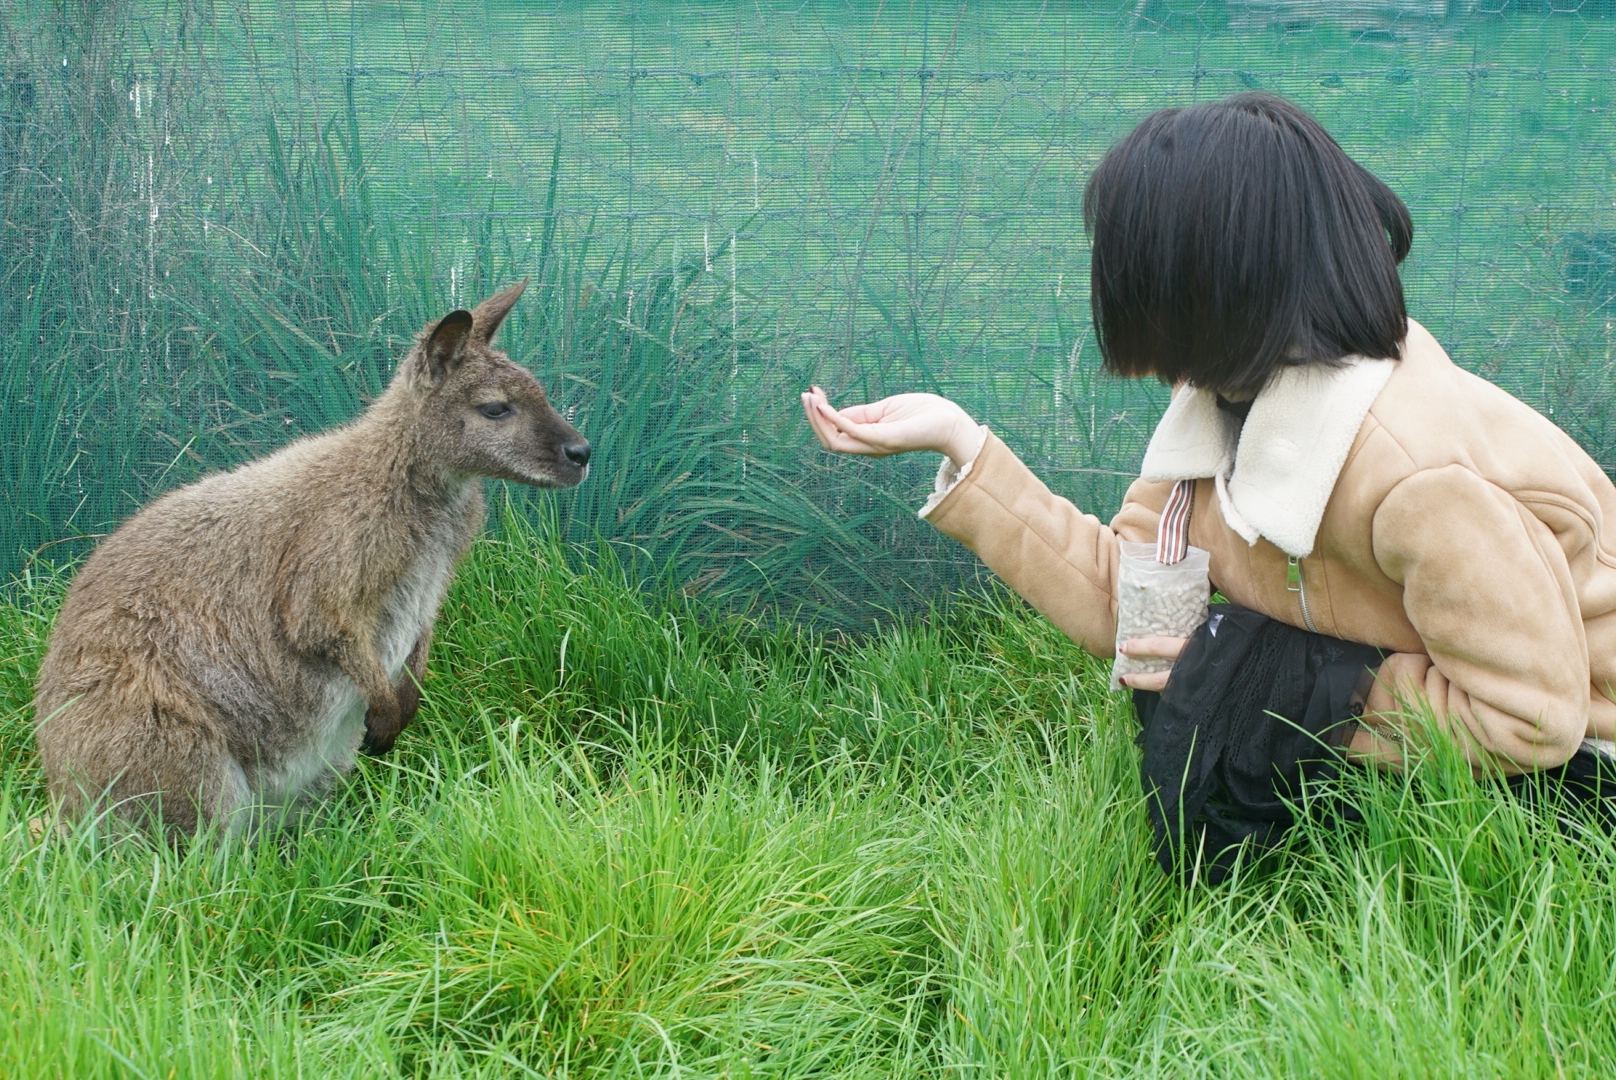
<point x="1275" y="474"/>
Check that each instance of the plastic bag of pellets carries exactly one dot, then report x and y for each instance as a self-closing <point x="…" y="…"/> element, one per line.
<point x="1156" y="599"/>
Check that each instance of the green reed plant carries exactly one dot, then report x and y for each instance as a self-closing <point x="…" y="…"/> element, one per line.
<point x="201" y="293"/>
<point x="139" y="347"/>
<point x="223" y="223"/>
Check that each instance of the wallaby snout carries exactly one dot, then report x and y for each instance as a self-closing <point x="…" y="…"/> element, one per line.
<point x="233" y="645"/>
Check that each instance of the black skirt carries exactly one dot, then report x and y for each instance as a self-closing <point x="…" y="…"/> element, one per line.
<point x="1256" y="711"/>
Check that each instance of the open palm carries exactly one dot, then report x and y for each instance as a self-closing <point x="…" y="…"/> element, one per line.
<point x="893" y="425"/>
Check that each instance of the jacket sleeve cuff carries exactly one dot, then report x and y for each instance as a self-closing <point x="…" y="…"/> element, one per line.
<point x="949" y="474"/>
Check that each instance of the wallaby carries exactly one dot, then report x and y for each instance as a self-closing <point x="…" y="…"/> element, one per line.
<point x="231" y="646"/>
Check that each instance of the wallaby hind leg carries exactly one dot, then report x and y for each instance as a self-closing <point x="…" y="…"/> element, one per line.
<point x="144" y="763"/>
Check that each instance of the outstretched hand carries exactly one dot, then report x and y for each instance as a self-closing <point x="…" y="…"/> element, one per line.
<point x="893" y="425"/>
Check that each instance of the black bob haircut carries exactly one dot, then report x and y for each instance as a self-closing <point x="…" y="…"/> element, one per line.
<point x="1236" y="236"/>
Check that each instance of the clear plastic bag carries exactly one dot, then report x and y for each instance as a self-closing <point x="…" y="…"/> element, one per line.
<point x="1156" y="599"/>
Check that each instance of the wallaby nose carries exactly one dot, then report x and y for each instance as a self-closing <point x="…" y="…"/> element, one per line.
<point x="577" y="453"/>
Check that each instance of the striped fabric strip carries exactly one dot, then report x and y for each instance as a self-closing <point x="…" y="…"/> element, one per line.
<point x="1173" y="534"/>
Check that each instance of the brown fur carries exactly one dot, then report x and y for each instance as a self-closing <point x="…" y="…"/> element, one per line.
<point x="234" y="644"/>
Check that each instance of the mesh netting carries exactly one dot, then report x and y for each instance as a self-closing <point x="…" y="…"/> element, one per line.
<point x="222" y="223"/>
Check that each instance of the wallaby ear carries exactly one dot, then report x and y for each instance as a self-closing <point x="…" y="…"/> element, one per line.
<point x="446" y="345"/>
<point x="487" y="316"/>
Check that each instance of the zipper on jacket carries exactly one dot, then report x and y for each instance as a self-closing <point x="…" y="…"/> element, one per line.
<point x="1294" y="582"/>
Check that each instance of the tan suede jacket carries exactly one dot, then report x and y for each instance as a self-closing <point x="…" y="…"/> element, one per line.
<point x="1464" y="532"/>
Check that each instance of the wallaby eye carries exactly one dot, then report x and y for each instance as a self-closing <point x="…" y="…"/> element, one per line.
<point x="495" y="410"/>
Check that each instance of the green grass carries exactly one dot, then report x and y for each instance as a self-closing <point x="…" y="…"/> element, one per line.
<point x="631" y="835"/>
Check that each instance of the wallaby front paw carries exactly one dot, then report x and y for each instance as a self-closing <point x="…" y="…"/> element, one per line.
<point x="374" y="744"/>
<point x="409" y="699"/>
<point x="381" y="731"/>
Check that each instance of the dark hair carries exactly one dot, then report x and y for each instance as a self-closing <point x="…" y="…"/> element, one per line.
<point x="1235" y="236"/>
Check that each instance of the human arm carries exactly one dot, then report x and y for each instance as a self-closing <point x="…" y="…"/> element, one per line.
<point x="1487" y="586"/>
<point x="1059" y="559"/>
<point x="1062" y="561"/>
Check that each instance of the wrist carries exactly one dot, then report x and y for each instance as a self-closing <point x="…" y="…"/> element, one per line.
<point x="963" y="442"/>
